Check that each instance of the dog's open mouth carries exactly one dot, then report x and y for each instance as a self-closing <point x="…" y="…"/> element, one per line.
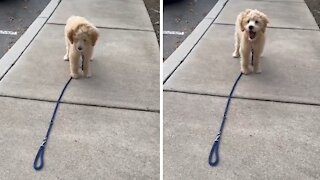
<point x="252" y="35"/>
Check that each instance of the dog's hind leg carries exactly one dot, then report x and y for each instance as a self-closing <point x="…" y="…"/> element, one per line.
<point x="257" y="52"/>
<point x="87" y="57"/>
<point x="66" y="56"/>
<point x="256" y="60"/>
<point x="236" y="53"/>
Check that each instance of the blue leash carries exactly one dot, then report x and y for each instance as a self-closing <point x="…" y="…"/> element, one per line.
<point x="40" y="153"/>
<point x="42" y="148"/>
<point x="214" y="153"/>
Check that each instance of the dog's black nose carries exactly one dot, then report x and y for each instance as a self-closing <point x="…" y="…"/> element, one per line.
<point x="250" y="27"/>
<point x="80" y="48"/>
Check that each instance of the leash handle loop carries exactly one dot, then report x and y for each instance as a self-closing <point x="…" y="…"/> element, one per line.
<point x="214" y="155"/>
<point x="40" y="156"/>
<point x="38" y="165"/>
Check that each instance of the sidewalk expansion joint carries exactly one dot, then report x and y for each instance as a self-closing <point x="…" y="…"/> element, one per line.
<point x="84" y="104"/>
<point x="274" y="27"/>
<point x="225" y="3"/>
<point x="244" y="98"/>
<point x="115" y="28"/>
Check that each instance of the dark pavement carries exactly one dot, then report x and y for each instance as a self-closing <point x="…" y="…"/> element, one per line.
<point x="182" y="17"/>
<point x="15" y="18"/>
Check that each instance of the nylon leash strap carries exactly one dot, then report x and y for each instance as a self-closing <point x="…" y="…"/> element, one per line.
<point x="214" y="153"/>
<point x="39" y="159"/>
<point x="38" y="162"/>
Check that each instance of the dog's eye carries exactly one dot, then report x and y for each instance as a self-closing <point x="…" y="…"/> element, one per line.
<point x="248" y="21"/>
<point x="257" y="22"/>
<point x="85" y="40"/>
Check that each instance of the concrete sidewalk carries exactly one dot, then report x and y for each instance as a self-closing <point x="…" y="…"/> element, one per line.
<point x="272" y="130"/>
<point x="108" y="125"/>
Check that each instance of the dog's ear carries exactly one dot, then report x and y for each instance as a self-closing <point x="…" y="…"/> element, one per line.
<point x="242" y="16"/>
<point x="70" y="35"/>
<point x="94" y="36"/>
<point x="242" y="23"/>
<point x="265" y="20"/>
<point x="247" y="11"/>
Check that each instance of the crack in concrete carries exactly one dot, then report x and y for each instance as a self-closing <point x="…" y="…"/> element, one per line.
<point x="244" y="98"/>
<point x="273" y="27"/>
<point x="103" y="27"/>
<point x="83" y="104"/>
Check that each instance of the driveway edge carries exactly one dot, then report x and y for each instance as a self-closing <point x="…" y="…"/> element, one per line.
<point x="12" y="56"/>
<point x="180" y="54"/>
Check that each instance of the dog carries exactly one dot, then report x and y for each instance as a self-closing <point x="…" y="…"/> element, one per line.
<point x="80" y="38"/>
<point x="250" y="36"/>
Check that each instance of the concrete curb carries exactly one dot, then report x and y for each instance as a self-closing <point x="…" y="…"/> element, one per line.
<point x="179" y="55"/>
<point x="12" y="56"/>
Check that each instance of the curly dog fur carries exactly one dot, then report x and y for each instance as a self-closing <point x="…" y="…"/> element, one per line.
<point x="80" y="38"/>
<point x="250" y="35"/>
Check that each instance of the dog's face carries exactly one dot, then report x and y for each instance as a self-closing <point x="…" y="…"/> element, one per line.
<point x="81" y="40"/>
<point x="254" y="22"/>
<point x="83" y="37"/>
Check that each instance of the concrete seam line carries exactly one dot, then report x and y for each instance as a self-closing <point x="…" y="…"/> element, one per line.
<point x="177" y="61"/>
<point x="83" y="104"/>
<point x="15" y="52"/>
<point x="103" y="27"/>
<point x="272" y="27"/>
<point x="243" y="98"/>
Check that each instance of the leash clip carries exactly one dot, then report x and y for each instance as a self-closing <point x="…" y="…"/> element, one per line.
<point x="44" y="142"/>
<point x="217" y="137"/>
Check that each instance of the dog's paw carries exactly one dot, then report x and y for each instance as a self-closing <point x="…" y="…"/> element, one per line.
<point x="74" y="76"/>
<point x="235" y="55"/>
<point x="245" y="71"/>
<point x="88" y="75"/>
<point x="257" y="70"/>
<point x="65" y="57"/>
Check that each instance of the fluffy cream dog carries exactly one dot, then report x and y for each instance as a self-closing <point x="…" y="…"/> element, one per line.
<point x="80" y="38"/>
<point x="250" y="35"/>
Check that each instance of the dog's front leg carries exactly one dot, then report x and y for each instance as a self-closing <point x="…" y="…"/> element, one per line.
<point x="74" y="64"/>
<point x="245" y="53"/>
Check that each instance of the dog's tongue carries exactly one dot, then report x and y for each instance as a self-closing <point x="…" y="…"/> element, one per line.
<point x="252" y="34"/>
